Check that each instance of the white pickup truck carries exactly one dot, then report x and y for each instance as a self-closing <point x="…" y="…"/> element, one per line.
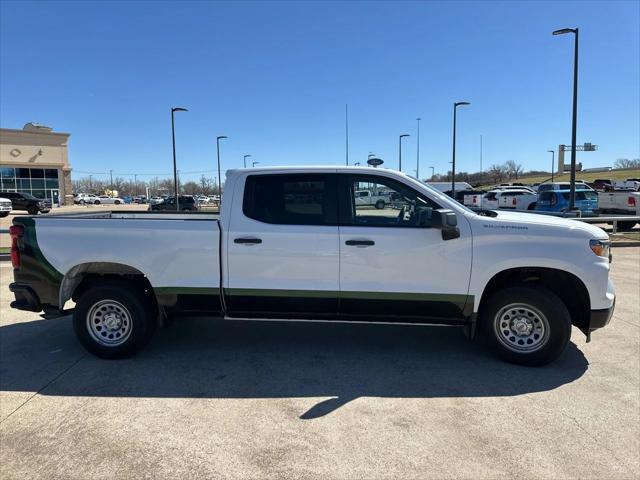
<point x="292" y="243"/>
<point x="620" y="202"/>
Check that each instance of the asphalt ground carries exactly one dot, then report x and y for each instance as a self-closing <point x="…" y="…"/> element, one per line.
<point x="216" y="399"/>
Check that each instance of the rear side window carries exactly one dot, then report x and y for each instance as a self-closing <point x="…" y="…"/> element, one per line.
<point x="291" y="199"/>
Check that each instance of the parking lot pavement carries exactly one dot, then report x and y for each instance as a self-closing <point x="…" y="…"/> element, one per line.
<point x="282" y="400"/>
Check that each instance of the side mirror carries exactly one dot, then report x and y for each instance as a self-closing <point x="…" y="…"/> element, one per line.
<point x="447" y="222"/>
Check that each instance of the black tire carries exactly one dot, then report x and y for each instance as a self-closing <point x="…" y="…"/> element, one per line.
<point x="626" y="226"/>
<point x="532" y="206"/>
<point x="533" y="308"/>
<point x="137" y="322"/>
<point x="117" y="202"/>
<point x="97" y="202"/>
<point x="3" y="214"/>
<point x="32" y="210"/>
<point x="380" y="204"/>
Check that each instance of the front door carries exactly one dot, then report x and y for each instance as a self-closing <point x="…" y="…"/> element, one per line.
<point x="282" y="245"/>
<point x="393" y="265"/>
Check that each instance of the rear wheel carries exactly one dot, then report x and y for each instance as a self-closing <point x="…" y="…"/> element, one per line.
<point x="117" y="202"/>
<point x="3" y="214"/>
<point x="532" y="206"/>
<point x="97" y="202"/>
<point x="114" y="319"/>
<point x="81" y="202"/>
<point x="32" y="210"/>
<point x="526" y="325"/>
<point x="626" y="226"/>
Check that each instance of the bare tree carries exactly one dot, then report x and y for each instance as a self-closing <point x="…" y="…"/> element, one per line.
<point x="627" y="163"/>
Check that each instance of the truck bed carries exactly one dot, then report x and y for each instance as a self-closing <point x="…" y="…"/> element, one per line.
<point x="177" y="252"/>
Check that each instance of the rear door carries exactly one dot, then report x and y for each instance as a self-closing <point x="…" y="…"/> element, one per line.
<point x="282" y="247"/>
<point x="393" y="265"/>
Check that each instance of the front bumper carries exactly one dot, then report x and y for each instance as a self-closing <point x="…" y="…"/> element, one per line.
<point x="26" y="297"/>
<point x="601" y="318"/>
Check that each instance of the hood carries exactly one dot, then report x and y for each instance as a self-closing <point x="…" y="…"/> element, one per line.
<point x="535" y="219"/>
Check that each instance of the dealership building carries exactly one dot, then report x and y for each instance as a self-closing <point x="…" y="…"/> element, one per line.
<point x="35" y="160"/>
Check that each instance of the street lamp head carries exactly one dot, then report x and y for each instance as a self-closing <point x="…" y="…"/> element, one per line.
<point x="221" y="137"/>
<point x="562" y="31"/>
<point x="178" y="109"/>
<point x="550" y="151"/>
<point x="457" y="104"/>
<point x="404" y="135"/>
<point x="247" y="156"/>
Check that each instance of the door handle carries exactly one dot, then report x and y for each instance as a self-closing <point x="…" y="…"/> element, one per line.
<point x="360" y="243"/>
<point x="248" y="241"/>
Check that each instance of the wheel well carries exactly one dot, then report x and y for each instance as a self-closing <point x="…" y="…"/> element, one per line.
<point x="82" y="277"/>
<point x="565" y="285"/>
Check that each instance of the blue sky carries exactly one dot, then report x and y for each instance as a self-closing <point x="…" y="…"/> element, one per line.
<point x="275" y="78"/>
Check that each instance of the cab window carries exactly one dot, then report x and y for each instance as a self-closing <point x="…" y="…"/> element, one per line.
<point x="387" y="203"/>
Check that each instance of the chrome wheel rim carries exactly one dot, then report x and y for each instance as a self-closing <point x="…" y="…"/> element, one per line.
<point x="109" y="323"/>
<point x="521" y="328"/>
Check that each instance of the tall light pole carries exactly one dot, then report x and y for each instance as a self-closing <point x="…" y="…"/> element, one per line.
<point x="219" y="177"/>
<point x="433" y="172"/>
<point x="574" y="121"/>
<point x="346" y="132"/>
<point x="245" y="160"/>
<point x="135" y="176"/>
<point x="553" y="161"/>
<point x="453" y="158"/>
<point x="253" y="164"/>
<point x="175" y="168"/>
<point x="400" y="137"/>
<point x="90" y="184"/>
<point x="418" y="150"/>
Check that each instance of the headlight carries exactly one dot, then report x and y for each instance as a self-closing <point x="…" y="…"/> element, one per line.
<point x="600" y="248"/>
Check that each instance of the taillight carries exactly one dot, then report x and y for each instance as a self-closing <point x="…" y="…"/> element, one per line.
<point x="513" y="202"/>
<point x="631" y="201"/>
<point x="15" y="232"/>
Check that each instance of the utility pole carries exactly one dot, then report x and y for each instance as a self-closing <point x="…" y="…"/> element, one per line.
<point x="111" y="180"/>
<point x="346" y="128"/>
<point x="418" y="151"/>
<point x="135" y="176"/>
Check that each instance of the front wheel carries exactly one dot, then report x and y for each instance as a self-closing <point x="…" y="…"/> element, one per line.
<point x="3" y="214"/>
<point x="97" y="202"/>
<point x="526" y="325"/>
<point x="32" y="210"/>
<point x="380" y="204"/>
<point x="117" y="202"/>
<point x="113" y="320"/>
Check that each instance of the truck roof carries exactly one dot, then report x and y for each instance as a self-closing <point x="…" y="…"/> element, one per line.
<point x="315" y="168"/>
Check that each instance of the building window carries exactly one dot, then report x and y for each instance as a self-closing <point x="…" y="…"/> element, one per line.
<point x="39" y="182"/>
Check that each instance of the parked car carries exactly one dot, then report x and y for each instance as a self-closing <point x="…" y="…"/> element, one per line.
<point x="107" y="200"/>
<point x="140" y="199"/>
<point x="491" y="199"/>
<point x="284" y="248"/>
<point x="543" y="187"/>
<point x="513" y="199"/>
<point x="620" y="202"/>
<point x="155" y="200"/>
<point x="87" y="199"/>
<point x="558" y="201"/>
<point x="372" y="199"/>
<point x="186" y="203"/>
<point x="27" y="202"/>
<point x="5" y="207"/>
